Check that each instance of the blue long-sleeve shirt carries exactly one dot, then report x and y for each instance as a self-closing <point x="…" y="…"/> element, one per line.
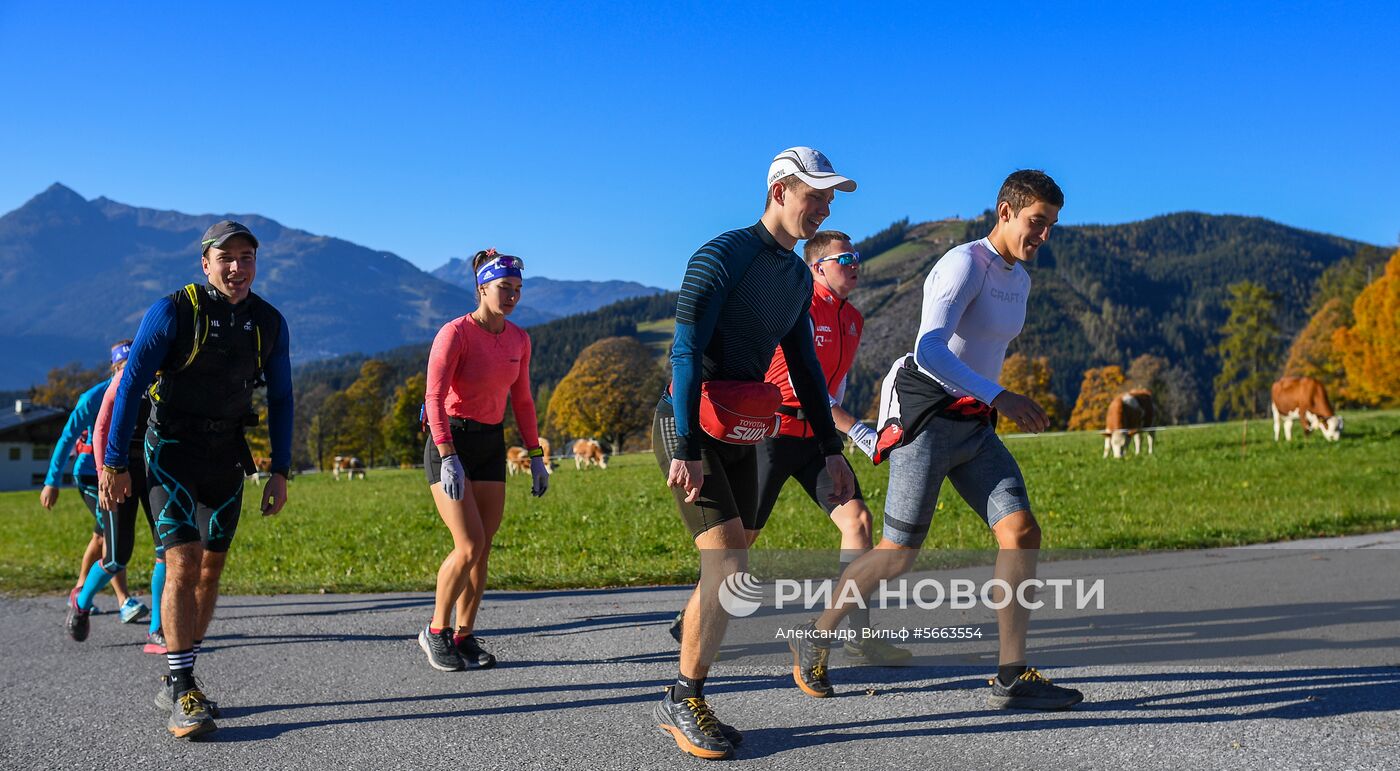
<point x="148" y="352"/>
<point x="81" y="419"/>
<point x="744" y="295"/>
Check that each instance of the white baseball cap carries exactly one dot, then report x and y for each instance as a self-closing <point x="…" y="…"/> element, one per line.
<point x="811" y="167"/>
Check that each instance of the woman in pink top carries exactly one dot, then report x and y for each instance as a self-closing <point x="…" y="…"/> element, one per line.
<point x="477" y="361"/>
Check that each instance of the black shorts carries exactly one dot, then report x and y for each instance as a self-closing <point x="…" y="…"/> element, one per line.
<point x="481" y="447"/>
<point x="788" y="457"/>
<point x="119" y="527"/>
<point x="87" y="488"/>
<point x="730" y="489"/>
<point x="196" y="487"/>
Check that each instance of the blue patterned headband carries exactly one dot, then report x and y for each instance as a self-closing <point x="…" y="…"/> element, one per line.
<point x="120" y="352"/>
<point x="503" y="266"/>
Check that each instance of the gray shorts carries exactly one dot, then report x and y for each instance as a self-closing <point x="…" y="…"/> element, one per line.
<point x="970" y="454"/>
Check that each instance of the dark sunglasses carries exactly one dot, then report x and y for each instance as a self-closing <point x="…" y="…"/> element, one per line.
<point x="845" y="258"/>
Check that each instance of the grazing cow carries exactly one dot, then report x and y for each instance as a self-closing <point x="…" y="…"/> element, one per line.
<point x="1131" y="414"/>
<point x="263" y="466"/>
<point x="517" y="461"/>
<point x="587" y="452"/>
<point x="548" y="465"/>
<point x="349" y="465"/>
<point x="1304" y="397"/>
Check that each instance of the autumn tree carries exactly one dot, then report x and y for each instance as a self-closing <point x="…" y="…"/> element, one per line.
<point x="367" y="402"/>
<point x="1249" y="351"/>
<point x="1370" y="347"/>
<point x="610" y="392"/>
<point x="65" y="384"/>
<point x="1313" y="354"/>
<point x="1096" y="392"/>
<point x="401" y="428"/>
<point x="1030" y="377"/>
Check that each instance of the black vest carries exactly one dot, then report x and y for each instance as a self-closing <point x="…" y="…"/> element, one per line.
<point x="217" y="358"/>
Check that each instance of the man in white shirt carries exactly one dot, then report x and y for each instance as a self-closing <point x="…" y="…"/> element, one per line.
<point x="974" y="306"/>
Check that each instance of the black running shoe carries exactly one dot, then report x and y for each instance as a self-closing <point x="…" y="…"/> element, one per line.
<point x="474" y="655"/>
<point x="694" y="726"/>
<point x="165" y="697"/>
<point x="442" y="654"/>
<point x="876" y="652"/>
<point x="1032" y="691"/>
<point x="676" y="625"/>
<point x="189" y="717"/>
<point x="76" y="624"/>
<point x="809" y="659"/>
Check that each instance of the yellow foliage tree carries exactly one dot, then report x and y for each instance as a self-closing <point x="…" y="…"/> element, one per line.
<point x="400" y="427"/>
<point x="1314" y="355"/>
<point x="65" y="384"/>
<point x="610" y="392"/>
<point x="1030" y="377"/>
<point x="1370" y="348"/>
<point x="1100" y="385"/>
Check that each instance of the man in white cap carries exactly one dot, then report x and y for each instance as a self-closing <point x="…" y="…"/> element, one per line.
<point x="745" y="294"/>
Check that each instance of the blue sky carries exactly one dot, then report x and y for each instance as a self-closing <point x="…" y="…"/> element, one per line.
<point x="610" y="140"/>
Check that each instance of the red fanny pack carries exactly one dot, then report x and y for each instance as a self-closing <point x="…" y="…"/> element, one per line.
<point x="739" y="411"/>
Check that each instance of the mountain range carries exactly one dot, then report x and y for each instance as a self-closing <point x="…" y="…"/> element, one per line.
<point x="77" y="274"/>
<point x="553" y="298"/>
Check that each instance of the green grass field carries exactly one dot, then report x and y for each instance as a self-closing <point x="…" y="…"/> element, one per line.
<point x="619" y="527"/>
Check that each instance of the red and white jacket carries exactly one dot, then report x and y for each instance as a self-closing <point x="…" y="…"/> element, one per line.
<point x="836" y="328"/>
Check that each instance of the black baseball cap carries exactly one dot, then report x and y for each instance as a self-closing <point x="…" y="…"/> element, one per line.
<point x="222" y="231"/>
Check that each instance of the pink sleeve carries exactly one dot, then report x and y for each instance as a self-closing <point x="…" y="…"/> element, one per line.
<point x="523" y="402"/>
<point x="104" y="414"/>
<point x="442" y="363"/>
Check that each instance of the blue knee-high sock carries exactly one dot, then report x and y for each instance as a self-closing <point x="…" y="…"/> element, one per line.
<point x="97" y="578"/>
<point x="157" y="589"/>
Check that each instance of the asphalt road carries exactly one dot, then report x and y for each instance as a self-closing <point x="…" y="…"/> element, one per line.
<point x="1304" y="675"/>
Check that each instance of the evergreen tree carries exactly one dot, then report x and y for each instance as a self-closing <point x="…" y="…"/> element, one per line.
<point x="1249" y="351"/>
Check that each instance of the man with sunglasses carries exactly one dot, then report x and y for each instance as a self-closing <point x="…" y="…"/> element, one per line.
<point x="796" y="453"/>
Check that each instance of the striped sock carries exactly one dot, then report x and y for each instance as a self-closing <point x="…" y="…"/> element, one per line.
<point x="194" y="652"/>
<point x="181" y="665"/>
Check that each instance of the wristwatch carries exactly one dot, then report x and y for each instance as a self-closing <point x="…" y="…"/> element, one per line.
<point x="114" y="469"/>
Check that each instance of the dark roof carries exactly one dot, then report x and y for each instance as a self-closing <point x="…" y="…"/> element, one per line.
<point x="14" y="426"/>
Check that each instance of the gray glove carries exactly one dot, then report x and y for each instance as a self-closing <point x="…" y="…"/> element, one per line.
<point x="453" y="477"/>
<point x="539" y="475"/>
<point x="864" y="438"/>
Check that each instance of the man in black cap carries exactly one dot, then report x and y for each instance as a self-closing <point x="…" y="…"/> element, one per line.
<point x="206" y="348"/>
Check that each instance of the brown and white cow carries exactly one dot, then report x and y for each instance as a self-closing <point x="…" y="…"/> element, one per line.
<point x="517" y="461"/>
<point x="263" y="466"/>
<point x="1304" y="397"/>
<point x="548" y="465"/>
<point x="1130" y="414"/>
<point x="587" y="452"/>
<point x="349" y="465"/>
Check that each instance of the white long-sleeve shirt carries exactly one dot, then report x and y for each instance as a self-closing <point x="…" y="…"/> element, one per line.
<point x="974" y="306"/>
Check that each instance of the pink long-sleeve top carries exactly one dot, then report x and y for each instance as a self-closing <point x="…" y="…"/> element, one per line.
<point x="471" y="372"/>
<point x="103" y="424"/>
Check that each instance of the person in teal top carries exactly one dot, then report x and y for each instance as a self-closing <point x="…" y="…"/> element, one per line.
<point x="77" y="438"/>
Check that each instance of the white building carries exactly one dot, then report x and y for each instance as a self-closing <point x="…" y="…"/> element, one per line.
<point x="27" y="436"/>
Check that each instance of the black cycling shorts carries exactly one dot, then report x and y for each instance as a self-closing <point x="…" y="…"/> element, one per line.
<point x="730" y="489"/>
<point x="196" y="487"/>
<point x="788" y="457"/>
<point x="481" y="447"/>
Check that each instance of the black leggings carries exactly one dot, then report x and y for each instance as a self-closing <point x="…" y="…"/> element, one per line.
<point x="119" y="527"/>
